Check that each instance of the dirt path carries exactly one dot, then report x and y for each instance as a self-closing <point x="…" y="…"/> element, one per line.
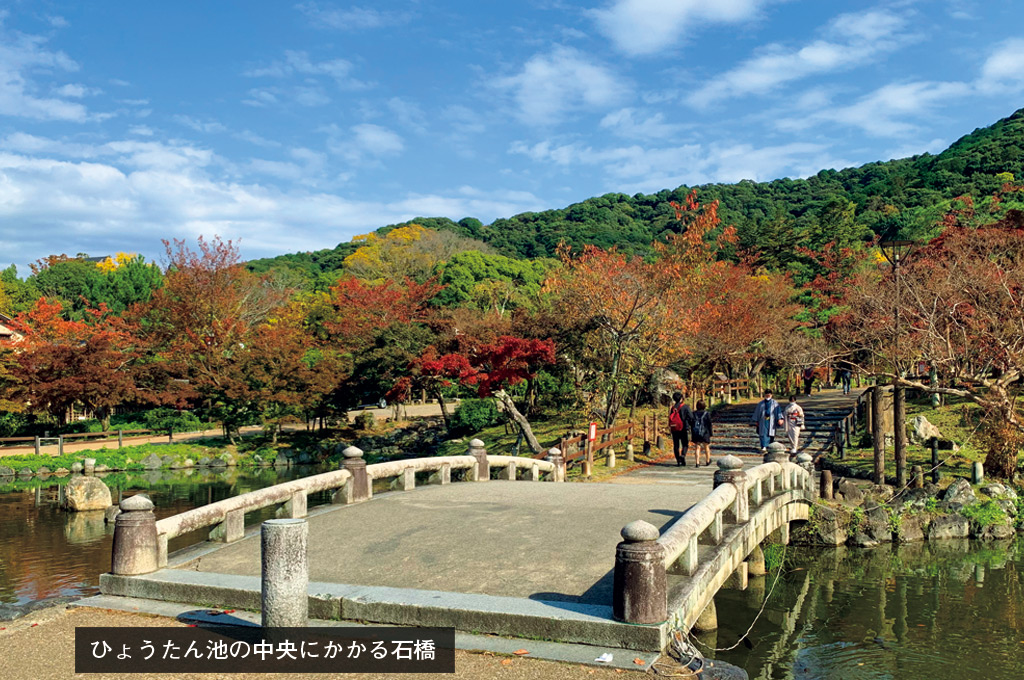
<point x="41" y="646"/>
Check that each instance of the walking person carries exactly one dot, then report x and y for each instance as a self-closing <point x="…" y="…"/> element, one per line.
<point x="700" y="433"/>
<point x="845" y="377"/>
<point x="794" y="416"/>
<point x="808" y="376"/>
<point x="679" y="418"/>
<point x="767" y="416"/>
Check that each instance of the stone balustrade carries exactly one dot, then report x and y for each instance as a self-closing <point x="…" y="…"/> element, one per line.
<point x="743" y="508"/>
<point x="353" y="483"/>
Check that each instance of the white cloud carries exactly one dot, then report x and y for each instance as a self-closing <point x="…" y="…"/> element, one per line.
<point x="363" y="143"/>
<point x="22" y="58"/>
<point x="351" y="18"/>
<point x="564" y="80"/>
<point x="1003" y="71"/>
<point x="884" y="112"/>
<point x="115" y="201"/>
<point x="208" y="126"/>
<point x="76" y="91"/>
<point x="855" y="39"/>
<point x="634" y="124"/>
<point x="644" y="27"/>
<point x="636" y="168"/>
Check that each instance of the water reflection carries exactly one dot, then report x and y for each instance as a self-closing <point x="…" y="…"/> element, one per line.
<point x="950" y="609"/>
<point x="48" y="553"/>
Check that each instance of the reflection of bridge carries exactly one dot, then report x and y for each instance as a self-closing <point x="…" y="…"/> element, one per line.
<point x="531" y="561"/>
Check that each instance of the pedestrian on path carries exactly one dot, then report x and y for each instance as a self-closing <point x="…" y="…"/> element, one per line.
<point x="700" y="433"/>
<point x="767" y="416"/>
<point x="808" y="379"/>
<point x="679" y="418"/>
<point x="794" y="415"/>
<point x="845" y="377"/>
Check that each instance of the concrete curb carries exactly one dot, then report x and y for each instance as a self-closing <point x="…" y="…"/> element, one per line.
<point x="511" y="616"/>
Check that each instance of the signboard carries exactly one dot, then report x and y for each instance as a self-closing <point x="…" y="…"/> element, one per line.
<point x="592" y="432"/>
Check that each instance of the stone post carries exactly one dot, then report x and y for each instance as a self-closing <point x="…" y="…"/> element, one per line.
<point x="917" y="477"/>
<point x="630" y="454"/>
<point x="285" y="573"/>
<point x="89" y="466"/>
<point x="640" y="584"/>
<point x="977" y="473"/>
<point x="37" y="446"/>
<point x="806" y="461"/>
<point x="776" y="453"/>
<point x="120" y="439"/>
<point x="135" y="548"/>
<point x="357" y="488"/>
<point x="555" y="456"/>
<point x="730" y="471"/>
<point x="935" y="460"/>
<point x="60" y="445"/>
<point x="611" y="458"/>
<point x="826" y="485"/>
<point x="483" y="468"/>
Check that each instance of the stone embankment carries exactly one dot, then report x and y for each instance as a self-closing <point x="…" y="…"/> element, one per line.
<point x="866" y="516"/>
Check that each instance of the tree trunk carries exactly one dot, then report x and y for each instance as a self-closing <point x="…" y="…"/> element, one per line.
<point x="444" y="409"/>
<point x="519" y="419"/>
<point x="899" y="419"/>
<point x="878" y="433"/>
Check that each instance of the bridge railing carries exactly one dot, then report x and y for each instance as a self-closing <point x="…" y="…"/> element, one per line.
<point x="352" y="483"/>
<point x="644" y="558"/>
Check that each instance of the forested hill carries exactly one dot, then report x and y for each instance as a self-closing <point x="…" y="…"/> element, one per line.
<point x="904" y="197"/>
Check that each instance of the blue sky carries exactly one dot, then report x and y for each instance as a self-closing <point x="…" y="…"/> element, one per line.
<point x="296" y="125"/>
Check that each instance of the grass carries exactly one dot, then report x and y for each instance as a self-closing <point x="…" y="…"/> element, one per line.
<point x="957" y="420"/>
<point x="985" y="514"/>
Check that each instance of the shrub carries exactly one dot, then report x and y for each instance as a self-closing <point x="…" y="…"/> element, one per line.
<point x="986" y="514"/>
<point x="169" y="419"/>
<point x="474" y="415"/>
<point x="774" y="556"/>
<point x="365" y="420"/>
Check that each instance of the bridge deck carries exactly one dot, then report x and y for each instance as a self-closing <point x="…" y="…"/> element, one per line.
<point x="553" y="542"/>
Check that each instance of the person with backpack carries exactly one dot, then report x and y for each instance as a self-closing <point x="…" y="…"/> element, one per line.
<point x="679" y="417"/>
<point x="808" y="376"/>
<point x="700" y="431"/>
<point x="794" y="415"/>
<point x="767" y="416"/>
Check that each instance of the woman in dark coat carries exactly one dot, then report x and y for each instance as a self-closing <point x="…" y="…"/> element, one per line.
<point x="700" y="433"/>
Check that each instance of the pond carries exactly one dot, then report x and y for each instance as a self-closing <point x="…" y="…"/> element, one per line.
<point x="928" y="611"/>
<point x="47" y="554"/>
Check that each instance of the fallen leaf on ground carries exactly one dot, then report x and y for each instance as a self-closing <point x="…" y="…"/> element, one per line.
<point x="506" y="662"/>
<point x="229" y="611"/>
<point x="520" y="652"/>
<point x="639" y="662"/>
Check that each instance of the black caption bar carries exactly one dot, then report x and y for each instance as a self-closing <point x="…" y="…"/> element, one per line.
<point x="249" y="649"/>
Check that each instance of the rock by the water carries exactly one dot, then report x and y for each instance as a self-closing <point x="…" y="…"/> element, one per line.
<point x="152" y="462"/>
<point x="86" y="493"/>
<point x="218" y="462"/>
<point x="949" y="526"/>
<point x="101" y="468"/>
<point x="6" y="471"/>
<point x="43" y="471"/>
<point x="167" y="460"/>
<point x="862" y="540"/>
<point x="876" y="523"/>
<point x="203" y="462"/>
<point x="921" y="431"/>
<point x="911" y="528"/>
<point x="827" y="530"/>
<point x="111" y="513"/>
<point x="24" y="472"/>
<point x="849" y="491"/>
<point x="77" y="467"/>
<point x="61" y="471"/>
<point x="959" y="491"/>
<point x="993" y="490"/>
<point x="994" y="532"/>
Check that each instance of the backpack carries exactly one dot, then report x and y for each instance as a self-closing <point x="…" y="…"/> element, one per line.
<point x="675" y="419"/>
<point x="700" y="428"/>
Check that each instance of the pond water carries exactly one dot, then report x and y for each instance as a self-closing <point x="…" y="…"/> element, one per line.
<point x="927" y="611"/>
<point x="47" y="553"/>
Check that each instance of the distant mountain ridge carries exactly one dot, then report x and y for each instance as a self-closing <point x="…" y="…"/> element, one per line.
<point x="904" y="196"/>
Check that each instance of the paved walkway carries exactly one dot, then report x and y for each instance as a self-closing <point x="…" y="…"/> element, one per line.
<point x="541" y="541"/>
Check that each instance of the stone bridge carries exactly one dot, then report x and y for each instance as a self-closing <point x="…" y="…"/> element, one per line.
<point x="534" y="561"/>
